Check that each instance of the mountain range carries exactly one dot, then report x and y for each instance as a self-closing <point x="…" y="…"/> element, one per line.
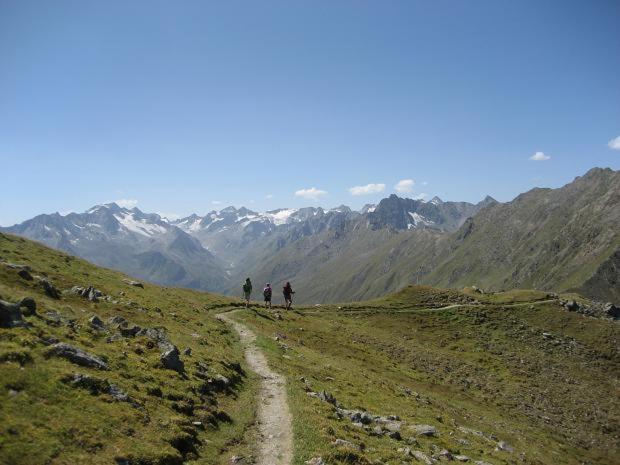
<point x="550" y="239"/>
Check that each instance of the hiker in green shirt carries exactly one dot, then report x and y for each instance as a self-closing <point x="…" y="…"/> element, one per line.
<point x="247" y="291"/>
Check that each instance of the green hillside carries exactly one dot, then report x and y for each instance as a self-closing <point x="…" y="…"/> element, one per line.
<point x="419" y="376"/>
<point x="502" y="379"/>
<point x="54" y="411"/>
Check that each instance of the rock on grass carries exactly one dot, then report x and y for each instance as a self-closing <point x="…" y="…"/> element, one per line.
<point x="77" y="356"/>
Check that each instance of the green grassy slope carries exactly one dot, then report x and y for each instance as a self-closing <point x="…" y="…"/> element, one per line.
<point x="481" y="369"/>
<point x="170" y="418"/>
<point x="553" y="239"/>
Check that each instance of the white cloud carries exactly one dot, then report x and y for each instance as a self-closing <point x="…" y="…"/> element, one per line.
<point x="420" y="196"/>
<point x="367" y="189"/>
<point x="216" y="202"/>
<point x="405" y="186"/>
<point x="614" y="143"/>
<point x="126" y="203"/>
<point x="269" y="196"/>
<point x="311" y="194"/>
<point x="424" y="183"/>
<point x="539" y="156"/>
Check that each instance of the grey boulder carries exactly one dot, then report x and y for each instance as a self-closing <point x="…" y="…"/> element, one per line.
<point x="77" y="356"/>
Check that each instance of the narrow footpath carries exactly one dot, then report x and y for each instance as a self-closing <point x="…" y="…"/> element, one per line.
<point x="274" y="419"/>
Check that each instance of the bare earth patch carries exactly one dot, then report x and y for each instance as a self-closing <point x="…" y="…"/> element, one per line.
<point x="274" y="418"/>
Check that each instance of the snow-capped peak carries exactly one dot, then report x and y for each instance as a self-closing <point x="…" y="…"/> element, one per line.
<point x="280" y="216"/>
<point x="130" y="221"/>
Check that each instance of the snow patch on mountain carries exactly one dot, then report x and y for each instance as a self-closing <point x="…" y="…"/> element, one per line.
<point x="418" y="220"/>
<point x="140" y="226"/>
<point x="282" y="216"/>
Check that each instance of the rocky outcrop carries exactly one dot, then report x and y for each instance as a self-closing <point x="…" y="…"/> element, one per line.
<point x="89" y="292"/>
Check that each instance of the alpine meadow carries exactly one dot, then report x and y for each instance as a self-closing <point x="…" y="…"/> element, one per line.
<point x="309" y="233"/>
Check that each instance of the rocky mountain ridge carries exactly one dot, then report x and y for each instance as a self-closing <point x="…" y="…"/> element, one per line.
<point x="551" y="239"/>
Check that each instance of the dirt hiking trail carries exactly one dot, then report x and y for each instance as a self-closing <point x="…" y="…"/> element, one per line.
<point x="274" y="419"/>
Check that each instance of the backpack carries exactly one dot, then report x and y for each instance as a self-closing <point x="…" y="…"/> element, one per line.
<point x="267" y="292"/>
<point x="247" y="287"/>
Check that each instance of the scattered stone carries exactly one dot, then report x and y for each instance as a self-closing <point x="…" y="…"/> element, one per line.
<point x="49" y="288"/>
<point x="11" y="315"/>
<point x="315" y="461"/>
<point x="89" y="293"/>
<point x="96" y="322"/>
<point x="444" y="454"/>
<point x="571" y="306"/>
<point x="237" y="459"/>
<point x="117" y="320"/>
<point x="222" y="381"/>
<point x="344" y="443"/>
<point x="395" y="435"/>
<point x="424" y="430"/>
<point x="611" y="310"/>
<point x="130" y="331"/>
<point x="422" y="457"/>
<point x="326" y="397"/>
<point x="461" y="458"/>
<point x="99" y="386"/>
<point x="187" y="352"/>
<point x="25" y="274"/>
<point x="54" y="318"/>
<point x="133" y="283"/>
<point x="389" y="423"/>
<point x="503" y="446"/>
<point x="77" y="356"/>
<point x="170" y="359"/>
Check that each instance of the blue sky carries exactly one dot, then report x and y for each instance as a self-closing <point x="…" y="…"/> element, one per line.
<point x="180" y="105"/>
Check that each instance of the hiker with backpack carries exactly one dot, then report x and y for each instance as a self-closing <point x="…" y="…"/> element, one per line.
<point x="267" y="295"/>
<point x="288" y="292"/>
<point x="247" y="292"/>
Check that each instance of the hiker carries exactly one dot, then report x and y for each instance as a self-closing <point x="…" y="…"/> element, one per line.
<point x="288" y="295"/>
<point x="267" y="295"/>
<point x="247" y="291"/>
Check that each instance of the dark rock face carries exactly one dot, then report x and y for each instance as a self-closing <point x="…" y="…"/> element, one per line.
<point x="96" y="322"/>
<point x="25" y="274"/>
<point x="399" y="213"/>
<point x="77" y="356"/>
<point x="11" y="315"/>
<point x="170" y="359"/>
<point x="611" y="310"/>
